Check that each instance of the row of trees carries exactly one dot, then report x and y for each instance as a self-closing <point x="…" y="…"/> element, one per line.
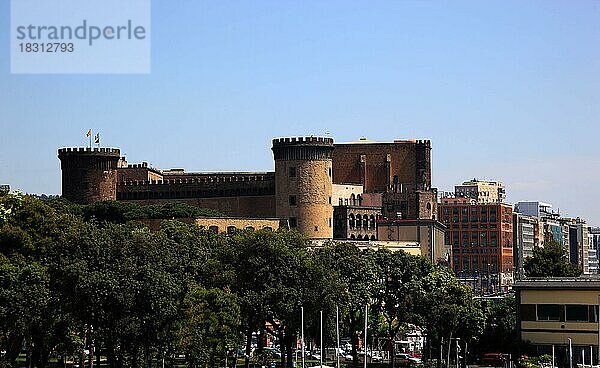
<point x="71" y="280"/>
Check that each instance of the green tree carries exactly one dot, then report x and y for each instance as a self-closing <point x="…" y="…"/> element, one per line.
<point x="551" y="260"/>
<point x="271" y="273"/>
<point x="209" y="327"/>
<point x="399" y="276"/>
<point x="30" y="312"/>
<point x="447" y="310"/>
<point x="357" y="272"/>
<point x="499" y="333"/>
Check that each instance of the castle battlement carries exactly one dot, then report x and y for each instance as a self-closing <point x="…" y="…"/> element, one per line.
<point x="90" y="151"/>
<point x="200" y="180"/>
<point x="318" y="141"/>
<point x="143" y="165"/>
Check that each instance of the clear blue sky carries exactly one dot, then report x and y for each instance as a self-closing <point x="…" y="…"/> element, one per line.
<point x="506" y="90"/>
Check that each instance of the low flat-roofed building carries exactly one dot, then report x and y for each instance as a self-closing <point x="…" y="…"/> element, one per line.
<point x="231" y="224"/>
<point x="550" y="312"/>
<point x="429" y="234"/>
<point x="409" y="247"/>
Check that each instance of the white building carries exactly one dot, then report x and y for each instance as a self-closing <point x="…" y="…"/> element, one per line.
<point x="534" y="208"/>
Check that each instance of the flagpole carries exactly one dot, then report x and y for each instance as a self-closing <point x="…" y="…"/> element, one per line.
<point x="321" y="343"/>
<point x="90" y="139"/>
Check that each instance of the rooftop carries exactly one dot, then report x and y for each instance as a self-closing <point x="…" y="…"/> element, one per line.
<point x="584" y="283"/>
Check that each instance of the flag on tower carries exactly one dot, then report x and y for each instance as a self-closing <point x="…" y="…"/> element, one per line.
<point x="97" y="138"/>
<point x="89" y="133"/>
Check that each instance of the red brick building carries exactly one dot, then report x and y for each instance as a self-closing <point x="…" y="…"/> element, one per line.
<point x="481" y="236"/>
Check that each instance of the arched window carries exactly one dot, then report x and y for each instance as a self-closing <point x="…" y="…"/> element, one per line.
<point x="351" y="221"/>
<point x="359" y="237"/>
<point x="365" y="221"/>
<point x="428" y="206"/>
<point x="373" y="237"/>
<point x="358" y="221"/>
<point x="214" y="229"/>
<point x="352" y="237"/>
<point x="372" y="222"/>
<point x="231" y="229"/>
<point x="251" y="228"/>
<point x="268" y="228"/>
<point x="353" y="200"/>
<point x="359" y="199"/>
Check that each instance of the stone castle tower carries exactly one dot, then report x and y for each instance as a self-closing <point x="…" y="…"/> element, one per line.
<point x="89" y="174"/>
<point x="303" y="184"/>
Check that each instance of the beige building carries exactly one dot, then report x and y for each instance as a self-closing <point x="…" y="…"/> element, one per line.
<point x="412" y="248"/>
<point x="481" y="191"/>
<point x="428" y="234"/>
<point x="347" y="194"/>
<point x="552" y="312"/>
<point x="232" y="224"/>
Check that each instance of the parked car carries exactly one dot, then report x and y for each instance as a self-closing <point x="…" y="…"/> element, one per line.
<point x="407" y="358"/>
<point x="376" y="357"/>
<point x="493" y="360"/>
<point x="274" y="351"/>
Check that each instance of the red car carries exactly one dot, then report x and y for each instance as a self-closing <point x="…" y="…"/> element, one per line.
<point x="494" y="360"/>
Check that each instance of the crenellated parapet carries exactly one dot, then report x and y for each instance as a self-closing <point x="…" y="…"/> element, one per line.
<point x="199" y="186"/>
<point x="303" y="148"/>
<point x="90" y="151"/>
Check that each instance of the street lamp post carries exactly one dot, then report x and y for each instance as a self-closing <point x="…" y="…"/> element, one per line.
<point x="457" y="351"/>
<point x="570" y="353"/>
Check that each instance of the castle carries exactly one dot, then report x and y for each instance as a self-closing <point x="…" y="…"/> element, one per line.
<point x="323" y="189"/>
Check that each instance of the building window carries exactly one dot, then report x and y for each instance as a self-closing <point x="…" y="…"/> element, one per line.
<point x="316" y="228"/>
<point x="292" y="172"/>
<point x="293" y="222"/>
<point x="474" y="239"/>
<point x="576" y="313"/>
<point x="231" y="229"/>
<point x="251" y="228"/>
<point x="527" y="312"/>
<point x="372" y="222"/>
<point x="330" y="172"/>
<point x="329" y="200"/>
<point x="548" y="312"/>
<point x="351" y="221"/>
<point x="213" y="229"/>
<point x="292" y="200"/>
